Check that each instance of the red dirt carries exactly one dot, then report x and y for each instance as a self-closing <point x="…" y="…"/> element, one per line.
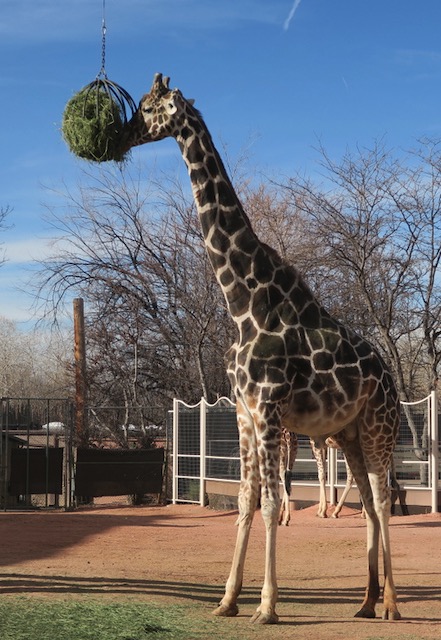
<point x="182" y="553"/>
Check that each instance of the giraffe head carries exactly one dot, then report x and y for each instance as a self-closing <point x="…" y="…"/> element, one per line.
<point x="158" y="113"/>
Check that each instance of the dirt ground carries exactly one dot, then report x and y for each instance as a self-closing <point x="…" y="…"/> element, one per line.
<point x="182" y="553"/>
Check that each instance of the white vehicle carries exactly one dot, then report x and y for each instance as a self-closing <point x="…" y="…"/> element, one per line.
<point x="53" y="427"/>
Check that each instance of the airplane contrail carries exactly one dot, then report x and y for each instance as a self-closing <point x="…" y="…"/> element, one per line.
<point x="294" y="8"/>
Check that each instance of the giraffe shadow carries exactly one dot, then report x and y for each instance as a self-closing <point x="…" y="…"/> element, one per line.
<point x="20" y="583"/>
<point x="417" y="525"/>
<point x="299" y="602"/>
<point x="29" y="583"/>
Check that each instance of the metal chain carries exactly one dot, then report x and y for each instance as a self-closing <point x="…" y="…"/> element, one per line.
<point x="103" y="43"/>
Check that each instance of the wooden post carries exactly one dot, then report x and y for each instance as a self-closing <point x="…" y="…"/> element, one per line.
<point x="80" y="373"/>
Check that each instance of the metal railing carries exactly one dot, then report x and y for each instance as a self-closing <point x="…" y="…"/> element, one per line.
<point x="205" y="447"/>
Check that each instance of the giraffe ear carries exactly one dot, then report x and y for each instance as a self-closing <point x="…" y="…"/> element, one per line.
<point x="170" y="106"/>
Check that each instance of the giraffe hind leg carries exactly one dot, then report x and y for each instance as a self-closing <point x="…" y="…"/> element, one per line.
<point x="354" y="458"/>
<point x="382" y="505"/>
<point x="372" y="485"/>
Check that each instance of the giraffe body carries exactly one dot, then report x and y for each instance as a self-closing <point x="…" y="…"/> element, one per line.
<point x="293" y="366"/>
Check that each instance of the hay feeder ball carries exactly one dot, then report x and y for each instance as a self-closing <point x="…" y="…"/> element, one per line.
<point x="94" y="120"/>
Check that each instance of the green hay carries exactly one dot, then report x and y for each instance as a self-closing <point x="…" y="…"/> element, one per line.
<point x="93" y="126"/>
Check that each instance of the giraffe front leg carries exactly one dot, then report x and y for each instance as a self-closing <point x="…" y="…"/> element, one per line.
<point x="247" y="502"/>
<point x="269" y="450"/>
<point x="266" y="612"/>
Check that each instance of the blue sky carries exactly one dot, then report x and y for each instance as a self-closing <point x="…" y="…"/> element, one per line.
<point x="277" y="75"/>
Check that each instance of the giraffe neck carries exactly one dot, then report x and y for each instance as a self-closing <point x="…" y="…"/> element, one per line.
<point x="238" y="258"/>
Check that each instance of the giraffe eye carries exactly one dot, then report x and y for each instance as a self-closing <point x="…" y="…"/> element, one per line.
<point x="147" y="109"/>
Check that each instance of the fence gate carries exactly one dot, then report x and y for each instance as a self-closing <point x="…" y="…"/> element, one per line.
<point x="35" y="453"/>
<point x="417" y="454"/>
<point x="205" y="444"/>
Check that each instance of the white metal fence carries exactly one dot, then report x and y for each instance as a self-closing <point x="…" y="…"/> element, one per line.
<point x="205" y="447"/>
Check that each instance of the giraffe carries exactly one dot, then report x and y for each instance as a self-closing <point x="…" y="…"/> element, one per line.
<point x="288" y="454"/>
<point x="292" y="365"/>
<point x="320" y="458"/>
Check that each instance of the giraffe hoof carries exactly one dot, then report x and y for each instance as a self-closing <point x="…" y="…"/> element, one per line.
<point x="391" y="614"/>
<point x="226" y="611"/>
<point x="365" y="612"/>
<point x="265" y="618"/>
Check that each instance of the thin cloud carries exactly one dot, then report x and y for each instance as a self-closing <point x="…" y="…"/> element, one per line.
<point x="27" y="250"/>
<point x="291" y="15"/>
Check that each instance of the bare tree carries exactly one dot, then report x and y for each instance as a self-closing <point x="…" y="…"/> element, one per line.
<point x="157" y="324"/>
<point x="368" y="240"/>
<point x="32" y="364"/>
<point x="380" y="255"/>
<point x="421" y="188"/>
<point x="378" y="224"/>
<point x="4" y="212"/>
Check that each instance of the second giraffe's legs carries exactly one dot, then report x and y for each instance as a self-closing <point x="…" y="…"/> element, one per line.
<point x="349" y="483"/>
<point x="320" y="458"/>
<point x="288" y="454"/>
<point x="285" y="507"/>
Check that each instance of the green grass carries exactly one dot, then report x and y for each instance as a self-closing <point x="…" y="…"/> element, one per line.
<point x="26" y="618"/>
<point x="32" y="619"/>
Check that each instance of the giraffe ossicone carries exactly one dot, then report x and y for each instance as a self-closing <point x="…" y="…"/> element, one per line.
<point x="292" y="366"/>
